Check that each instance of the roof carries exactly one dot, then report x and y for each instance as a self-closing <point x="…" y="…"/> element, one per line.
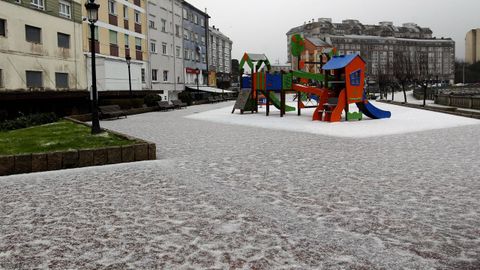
<point x="317" y="42"/>
<point x="338" y="62"/>
<point x="257" y="57"/>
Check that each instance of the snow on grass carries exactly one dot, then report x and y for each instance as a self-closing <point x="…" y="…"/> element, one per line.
<point x="404" y="120"/>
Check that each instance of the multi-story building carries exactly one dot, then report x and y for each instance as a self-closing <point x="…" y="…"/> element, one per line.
<point x="195" y="47"/>
<point x="472" y="46"/>
<point x="220" y="57"/>
<point x="380" y="44"/>
<point x="165" y="39"/>
<point x="121" y="30"/>
<point x="40" y="45"/>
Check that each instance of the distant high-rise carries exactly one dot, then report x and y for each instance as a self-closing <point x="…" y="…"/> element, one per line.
<point x="380" y="44"/>
<point x="472" y="46"/>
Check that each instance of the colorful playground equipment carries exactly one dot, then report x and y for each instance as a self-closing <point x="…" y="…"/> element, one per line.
<point x="341" y="84"/>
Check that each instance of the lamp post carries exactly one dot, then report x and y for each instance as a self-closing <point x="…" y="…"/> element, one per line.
<point x="92" y="12"/>
<point x="197" y="71"/>
<point x="129" y="60"/>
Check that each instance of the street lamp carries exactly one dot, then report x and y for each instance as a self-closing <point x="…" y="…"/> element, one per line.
<point x="129" y="60"/>
<point x="92" y="12"/>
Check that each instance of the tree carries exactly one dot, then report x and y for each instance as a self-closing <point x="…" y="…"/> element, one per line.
<point x="384" y="81"/>
<point x="402" y="71"/>
<point x="422" y="74"/>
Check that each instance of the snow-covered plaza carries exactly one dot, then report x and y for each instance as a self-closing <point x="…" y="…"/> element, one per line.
<point x="231" y="194"/>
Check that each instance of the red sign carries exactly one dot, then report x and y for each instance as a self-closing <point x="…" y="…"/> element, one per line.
<point x="192" y="71"/>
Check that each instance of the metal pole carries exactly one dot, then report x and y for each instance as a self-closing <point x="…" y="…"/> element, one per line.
<point x="95" y="120"/>
<point x="129" y="80"/>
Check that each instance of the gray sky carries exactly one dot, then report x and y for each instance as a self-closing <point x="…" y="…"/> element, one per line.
<point x="260" y="26"/>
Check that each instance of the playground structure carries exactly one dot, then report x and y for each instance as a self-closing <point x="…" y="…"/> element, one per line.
<point x="342" y="84"/>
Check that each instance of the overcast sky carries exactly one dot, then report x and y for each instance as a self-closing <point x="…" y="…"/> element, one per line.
<point x="260" y="26"/>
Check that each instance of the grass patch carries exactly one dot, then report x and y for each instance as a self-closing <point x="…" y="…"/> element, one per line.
<point x="59" y="136"/>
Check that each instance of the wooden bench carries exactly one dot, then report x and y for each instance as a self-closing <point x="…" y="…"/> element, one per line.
<point x="111" y="111"/>
<point x="165" y="106"/>
<point x="179" y="104"/>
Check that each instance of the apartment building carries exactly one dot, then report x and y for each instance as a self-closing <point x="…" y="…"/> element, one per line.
<point x="40" y="48"/>
<point x="220" y="58"/>
<point x="165" y="39"/>
<point x="472" y="46"/>
<point x="380" y="44"/>
<point x="195" y="46"/>
<point x="121" y="30"/>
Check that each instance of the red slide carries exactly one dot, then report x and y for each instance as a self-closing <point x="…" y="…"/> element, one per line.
<point x="322" y="97"/>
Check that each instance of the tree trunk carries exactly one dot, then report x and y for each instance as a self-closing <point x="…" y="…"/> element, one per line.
<point x="425" y="95"/>
<point x="393" y="93"/>
<point x="404" y="93"/>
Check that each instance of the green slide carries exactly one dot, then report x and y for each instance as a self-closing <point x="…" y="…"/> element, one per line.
<point x="276" y="102"/>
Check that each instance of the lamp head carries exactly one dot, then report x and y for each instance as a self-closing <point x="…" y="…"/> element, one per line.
<point x="92" y="11"/>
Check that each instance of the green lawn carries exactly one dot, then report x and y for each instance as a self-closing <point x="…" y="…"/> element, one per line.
<point x="59" y="136"/>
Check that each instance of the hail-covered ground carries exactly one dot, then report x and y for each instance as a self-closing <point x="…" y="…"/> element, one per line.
<point x="234" y="197"/>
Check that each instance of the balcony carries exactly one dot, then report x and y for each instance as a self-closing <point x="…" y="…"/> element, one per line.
<point x="126" y="25"/>
<point x="96" y="45"/>
<point x="138" y="28"/>
<point x="112" y="19"/>
<point x="139" y="55"/>
<point x="113" y="49"/>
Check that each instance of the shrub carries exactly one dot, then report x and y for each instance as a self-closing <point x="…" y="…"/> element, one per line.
<point x="28" y="121"/>
<point x="152" y="99"/>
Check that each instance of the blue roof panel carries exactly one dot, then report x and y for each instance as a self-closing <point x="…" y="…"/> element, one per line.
<point x="338" y="62"/>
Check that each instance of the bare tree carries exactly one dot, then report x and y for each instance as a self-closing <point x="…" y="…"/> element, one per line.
<point x="384" y="81"/>
<point x="403" y="71"/>
<point x="422" y="74"/>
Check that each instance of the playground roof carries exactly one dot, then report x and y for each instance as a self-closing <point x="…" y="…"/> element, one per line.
<point x="342" y="61"/>
<point x="257" y="57"/>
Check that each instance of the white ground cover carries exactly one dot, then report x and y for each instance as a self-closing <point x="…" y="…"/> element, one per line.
<point x="240" y="197"/>
<point x="404" y="120"/>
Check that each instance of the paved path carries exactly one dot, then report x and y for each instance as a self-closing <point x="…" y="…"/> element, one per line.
<point x="230" y="197"/>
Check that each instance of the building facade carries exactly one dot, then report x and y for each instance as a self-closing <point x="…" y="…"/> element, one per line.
<point x="195" y="46"/>
<point x="220" y="58"/>
<point x="472" y="46"/>
<point x="379" y="45"/>
<point x="40" y="45"/>
<point x="165" y="39"/>
<point x="121" y="30"/>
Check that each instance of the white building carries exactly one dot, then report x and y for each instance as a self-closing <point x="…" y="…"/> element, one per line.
<point x="220" y="56"/>
<point x="40" y="48"/>
<point x="165" y="45"/>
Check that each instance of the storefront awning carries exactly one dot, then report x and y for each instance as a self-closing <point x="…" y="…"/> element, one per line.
<point x="208" y="89"/>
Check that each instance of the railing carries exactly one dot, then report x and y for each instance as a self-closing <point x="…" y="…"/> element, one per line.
<point x="460" y="101"/>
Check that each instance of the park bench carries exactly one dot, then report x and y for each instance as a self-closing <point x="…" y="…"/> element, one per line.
<point x="179" y="104"/>
<point x="111" y="111"/>
<point x="165" y="106"/>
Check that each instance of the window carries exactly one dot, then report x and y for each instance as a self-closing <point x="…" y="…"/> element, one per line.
<point x="143" y="75"/>
<point x="113" y="37"/>
<point x="3" y="30"/>
<point x="127" y="41"/>
<point x="195" y="20"/>
<point x="185" y="14"/>
<point x="138" y="44"/>
<point x="37" y="4"/>
<point x="196" y="37"/>
<point x="61" y="80"/>
<point x="95" y="34"/>
<point x="63" y="40"/>
<point x="1" y="78"/>
<point x="202" y="22"/>
<point x="185" y="34"/>
<point x="112" y="9"/>
<point x="164" y="48"/>
<point x="178" y="50"/>
<point x="355" y="78"/>
<point x="34" y="79"/>
<point x="125" y="12"/>
<point x="177" y="30"/>
<point x="137" y="17"/>
<point x="153" y="47"/>
<point x="164" y="25"/>
<point x="165" y="75"/>
<point x="185" y="54"/>
<point x="151" y="24"/>
<point x="33" y="34"/>
<point x="154" y="75"/>
<point x="203" y="40"/>
<point x="65" y="9"/>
